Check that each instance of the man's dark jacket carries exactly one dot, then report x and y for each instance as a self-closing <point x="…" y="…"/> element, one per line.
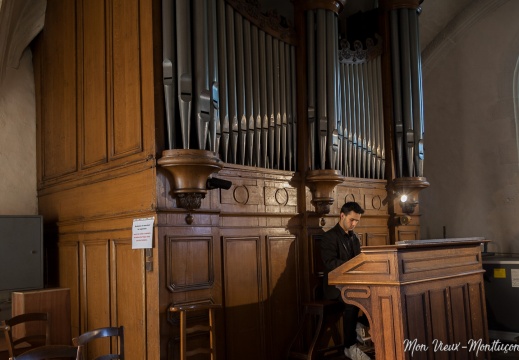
<point x="335" y="241"/>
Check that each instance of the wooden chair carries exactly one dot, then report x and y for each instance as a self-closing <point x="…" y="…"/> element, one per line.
<point x="107" y="332"/>
<point x="49" y="352"/>
<point x="35" y="334"/>
<point x="196" y="328"/>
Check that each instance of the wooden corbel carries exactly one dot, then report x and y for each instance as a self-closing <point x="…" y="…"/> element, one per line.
<point x="322" y="183"/>
<point x="190" y="170"/>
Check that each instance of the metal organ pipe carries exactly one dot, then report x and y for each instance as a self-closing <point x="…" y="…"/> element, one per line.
<point x="169" y="74"/>
<point x="322" y="115"/>
<point x="222" y="70"/>
<point x="331" y="90"/>
<point x="310" y="40"/>
<point x="231" y="73"/>
<point x="397" y="98"/>
<point x="185" y="86"/>
<point x="203" y="96"/>
<point x="240" y="80"/>
<point x="405" y="51"/>
<point x="416" y="77"/>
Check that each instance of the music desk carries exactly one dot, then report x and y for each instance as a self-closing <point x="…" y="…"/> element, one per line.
<point x="424" y="299"/>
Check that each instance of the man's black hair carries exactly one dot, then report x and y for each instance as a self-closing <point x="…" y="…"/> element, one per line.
<point x="351" y="206"/>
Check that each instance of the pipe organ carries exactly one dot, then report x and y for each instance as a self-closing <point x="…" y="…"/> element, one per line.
<point x="230" y="104"/>
<point x="407" y="92"/>
<point x="235" y="84"/>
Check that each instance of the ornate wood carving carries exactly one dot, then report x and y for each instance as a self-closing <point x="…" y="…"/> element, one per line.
<point x="270" y="21"/>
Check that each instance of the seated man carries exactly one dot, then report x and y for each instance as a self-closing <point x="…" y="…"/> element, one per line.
<point x="338" y="245"/>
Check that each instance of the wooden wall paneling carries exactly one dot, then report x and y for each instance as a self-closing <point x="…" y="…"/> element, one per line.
<point x="438" y="310"/>
<point x="58" y="155"/>
<point x="128" y="295"/>
<point x="111" y="198"/>
<point x="190" y="263"/>
<point x="95" y="284"/>
<point x="69" y="278"/>
<point x="284" y="293"/>
<point x="245" y="296"/>
<point x="405" y="233"/>
<point x="126" y="128"/>
<point x="92" y="82"/>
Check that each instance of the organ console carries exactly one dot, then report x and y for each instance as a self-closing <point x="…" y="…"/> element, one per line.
<point x="419" y="294"/>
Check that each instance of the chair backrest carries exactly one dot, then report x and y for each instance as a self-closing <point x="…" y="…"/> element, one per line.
<point x="186" y="329"/>
<point x="107" y="332"/>
<point x="26" y="331"/>
<point x="49" y="352"/>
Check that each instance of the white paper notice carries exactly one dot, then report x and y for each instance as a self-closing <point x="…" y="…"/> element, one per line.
<point x="142" y="233"/>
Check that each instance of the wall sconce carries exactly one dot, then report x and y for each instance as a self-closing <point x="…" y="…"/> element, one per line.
<point x="406" y="191"/>
<point x="191" y="170"/>
<point x="321" y="184"/>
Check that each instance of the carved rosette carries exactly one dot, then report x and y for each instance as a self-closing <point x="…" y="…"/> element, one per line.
<point x="190" y="170"/>
<point x="321" y="184"/>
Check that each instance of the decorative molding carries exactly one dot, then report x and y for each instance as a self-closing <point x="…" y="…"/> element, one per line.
<point x="270" y="21"/>
<point x="359" y="54"/>
<point x="337" y="6"/>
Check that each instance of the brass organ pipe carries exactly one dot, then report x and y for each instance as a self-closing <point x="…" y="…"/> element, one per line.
<point x="310" y="23"/>
<point x="397" y="98"/>
<point x="231" y="72"/>
<point x="406" y="87"/>
<point x="185" y="85"/>
<point x="247" y="50"/>
<point x="222" y="70"/>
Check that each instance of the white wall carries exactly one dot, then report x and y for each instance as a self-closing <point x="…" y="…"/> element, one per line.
<point x="471" y="143"/>
<point x="18" y="140"/>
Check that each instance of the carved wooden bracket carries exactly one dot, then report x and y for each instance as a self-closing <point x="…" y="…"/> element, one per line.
<point x="410" y="187"/>
<point x="190" y="169"/>
<point x="321" y="184"/>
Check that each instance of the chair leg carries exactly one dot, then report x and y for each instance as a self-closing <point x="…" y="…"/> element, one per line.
<point x="183" y="335"/>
